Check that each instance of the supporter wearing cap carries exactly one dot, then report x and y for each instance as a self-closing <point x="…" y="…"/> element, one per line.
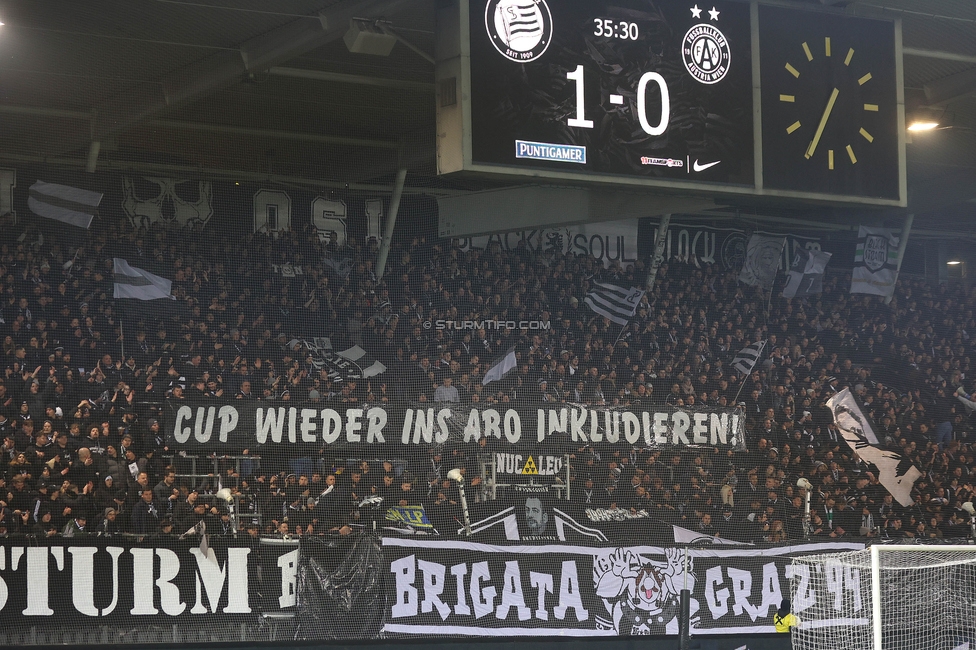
<point x="165" y="528"/>
<point x="725" y="526"/>
<point x="108" y="495"/>
<point x="110" y="525"/>
<point x="45" y="526"/>
<point x="76" y="526"/>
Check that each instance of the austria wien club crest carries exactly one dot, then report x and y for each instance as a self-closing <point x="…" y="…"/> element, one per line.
<point x="706" y="52"/>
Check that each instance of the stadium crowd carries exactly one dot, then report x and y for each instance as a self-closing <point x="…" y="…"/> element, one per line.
<point x="84" y="378"/>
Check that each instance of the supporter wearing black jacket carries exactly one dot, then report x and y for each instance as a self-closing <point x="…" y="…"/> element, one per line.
<point x="145" y="514"/>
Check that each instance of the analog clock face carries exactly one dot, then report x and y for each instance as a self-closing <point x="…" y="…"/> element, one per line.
<point x="830" y="115"/>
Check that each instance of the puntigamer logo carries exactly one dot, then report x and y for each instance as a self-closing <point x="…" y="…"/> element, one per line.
<point x="520" y="30"/>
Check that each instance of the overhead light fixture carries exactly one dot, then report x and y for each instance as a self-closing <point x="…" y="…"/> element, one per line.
<point x="928" y="119"/>
<point x="954" y="262"/>
<point x="367" y="37"/>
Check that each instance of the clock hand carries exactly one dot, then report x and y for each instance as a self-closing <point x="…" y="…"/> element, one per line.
<point x="823" y="123"/>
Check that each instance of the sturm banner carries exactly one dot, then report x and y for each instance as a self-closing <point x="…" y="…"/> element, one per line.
<point x="460" y="588"/>
<point x="305" y="428"/>
<point x="111" y="580"/>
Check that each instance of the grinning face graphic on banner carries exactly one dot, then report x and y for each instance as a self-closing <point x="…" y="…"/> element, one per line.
<point x="641" y="595"/>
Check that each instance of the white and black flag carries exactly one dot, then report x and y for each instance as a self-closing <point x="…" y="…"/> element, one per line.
<point x="615" y="303"/>
<point x="748" y="356"/>
<point x="132" y="282"/>
<point x="764" y="255"/>
<point x="501" y="368"/>
<point x="806" y="274"/>
<point x="70" y="205"/>
<point x="351" y="364"/>
<point x="895" y="472"/>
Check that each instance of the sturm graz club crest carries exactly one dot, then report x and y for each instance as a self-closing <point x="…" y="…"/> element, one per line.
<point x="875" y="252"/>
<point x="706" y="53"/>
<point x="520" y="30"/>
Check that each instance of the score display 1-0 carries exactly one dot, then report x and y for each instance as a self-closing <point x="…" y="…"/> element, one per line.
<point x="580" y="120"/>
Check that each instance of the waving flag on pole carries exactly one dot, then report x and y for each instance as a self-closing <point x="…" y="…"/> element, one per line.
<point x="132" y="282"/>
<point x="70" y="205"/>
<point x="500" y="368"/>
<point x="806" y="275"/>
<point x="615" y="303"/>
<point x="895" y="472"/>
<point x="746" y="360"/>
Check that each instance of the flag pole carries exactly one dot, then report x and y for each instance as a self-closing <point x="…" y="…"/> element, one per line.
<point x="735" y="400"/>
<point x="622" y="330"/>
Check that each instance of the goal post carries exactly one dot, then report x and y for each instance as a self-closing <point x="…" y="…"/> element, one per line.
<point x="886" y="597"/>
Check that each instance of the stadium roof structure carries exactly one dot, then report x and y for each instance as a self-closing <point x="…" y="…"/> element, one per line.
<point x="269" y="90"/>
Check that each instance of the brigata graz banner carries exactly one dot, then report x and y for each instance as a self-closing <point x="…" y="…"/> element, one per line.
<point x="122" y="581"/>
<point x="465" y="588"/>
<point x="290" y="428"/>
<point x="363" y="586"/>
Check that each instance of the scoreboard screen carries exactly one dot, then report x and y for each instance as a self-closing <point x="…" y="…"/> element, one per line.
<point x="719" y="98"/>
<point x="652" y="89"/>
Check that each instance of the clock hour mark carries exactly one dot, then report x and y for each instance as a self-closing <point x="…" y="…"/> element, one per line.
<point x="827" y="46"/>
<point x="793" y="127"/>
<point x="867" y="136"/>
<point x="793" y="71"/>
<point x="830" y="158"/>
<point x="787" y="98"/>
<point x="806" y="50"/>
<point x="863" y="80"/>
<point x="850" y="152"/>
<point x="850" y="55"/>
<point x="617" y="99"/>
<point x="871" y="107"/>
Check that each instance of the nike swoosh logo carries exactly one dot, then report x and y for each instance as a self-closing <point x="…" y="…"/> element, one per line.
<point x="701" y="168"/>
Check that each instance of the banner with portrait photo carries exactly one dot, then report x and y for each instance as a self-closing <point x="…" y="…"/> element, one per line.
<point x="763" y="259"/>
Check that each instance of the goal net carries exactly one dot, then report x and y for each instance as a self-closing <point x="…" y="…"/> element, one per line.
<point x="886" y="598"/>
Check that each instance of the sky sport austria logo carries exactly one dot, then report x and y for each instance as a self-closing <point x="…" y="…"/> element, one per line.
<point x="551" y="152"/>
<point x="705" y="50"/>
<point x="520" y="30"/>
